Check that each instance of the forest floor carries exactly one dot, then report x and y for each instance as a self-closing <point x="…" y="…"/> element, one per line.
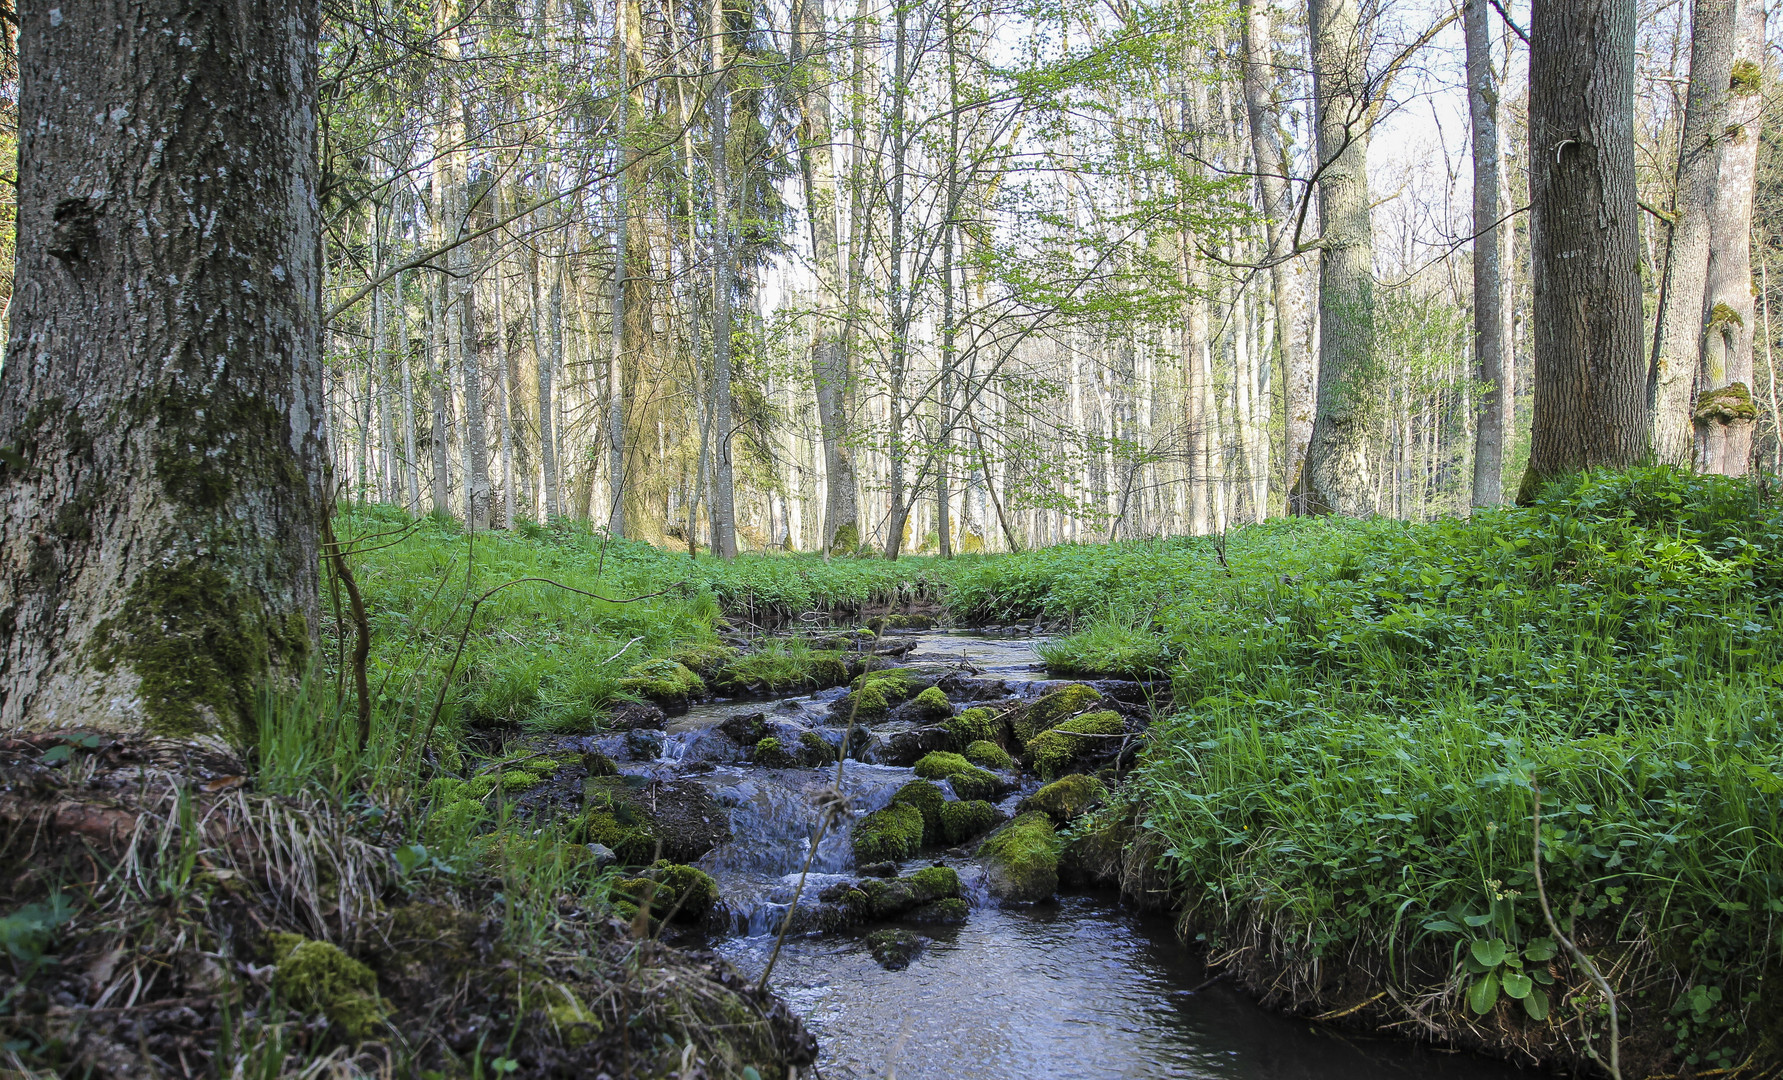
<point x="1339" y="803"/>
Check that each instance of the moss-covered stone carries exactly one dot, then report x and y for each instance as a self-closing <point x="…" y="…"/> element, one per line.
<point x="1050" y="709"/>
<point x="664" y="682"/>
<point x="931" y="706"/>
<point x="988" y="755"/>
<point x="894" y="949"/>
<point x="1067" y="798"/>
<point x="677" y="820"/>
<point x="893" y="833"/>
<point x="632" y="895"/>
<point x="1022" y="859"/>
<point x="940" y="765"/>
<point x="316" y="977"/>
<point x="1054" y="752"/>
<point x="814" y="749"/>
<point x="704" y="658"/>
<point x="963" y="820"/>
<point x="770" y="753"/>
<point x="514" y="781"/>
<point x="927" y="798"/>
<point x="891" y="899"/>
<point x="950" y="911"/>
<point x="695" y="890"/>
<point x="867" y="705"/>
<point x="595" y="763"/>
<point x="977" y="724"/>
<point x="576" y="1024"/>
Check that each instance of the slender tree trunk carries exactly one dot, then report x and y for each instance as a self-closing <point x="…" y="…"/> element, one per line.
<point x="439" y="380"/>
<point x="164" y="424"/>
<point x="1678" y="337"/>
<point x="502" y="372"/>
<point x="411" y="465"/>
<point x="1725" y="408"/>
<point x="723" y="497"/>
<point x="1337" y="469"/>
<point x="616" y="479"/>
<point x="895" y="300"/>
<point x="1490" y="297"/>
<point x="1590" y="378"/>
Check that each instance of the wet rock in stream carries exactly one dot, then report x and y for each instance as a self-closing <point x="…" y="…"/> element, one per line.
<point x="894" y="949"/>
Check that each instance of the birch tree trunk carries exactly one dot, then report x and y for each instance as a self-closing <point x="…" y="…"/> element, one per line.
<point x="1590" y="386"/>
<point x="1490" y="297"/>
<point x="1725" y="408"/>
<point x="1337" y="469"/>
<point x="161" y="401"/>
<point x="1678" y="337"/>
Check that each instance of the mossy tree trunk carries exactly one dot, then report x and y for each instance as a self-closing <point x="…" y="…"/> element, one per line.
<point x="1590" y="375"/>
<point x="1725" y="410"/>
<point x="161" y="401"/>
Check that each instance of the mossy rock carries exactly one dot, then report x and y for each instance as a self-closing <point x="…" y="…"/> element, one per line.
<point x="631" y="894"/>
<point x="893" y="833"/>
<point x="1067" y="798"/>
<point x="1022" y="859"/>
<point x="867" y="705"/>
<point x="891" y="899"/>
<point x="515" y="781"/>
<point x="927" y="798"/>
<point x="1055" y="751"/>
<point x="623" y="830"/>
<point x="316" y="977"/>
<point x="677" y="820"/>
<point x="961" y="821"/>
<point x="1050" y="709"/>
<point x="595" y="763"/>
<point x="540" y="766"/>
<point x="988" y="755"/>
<point x="705" y="658"/>
<point x="576" y="1024"/>
<point x="814" y="749"/>
<point x="931" y="706"/>
<point x="695" y="890"/>
<point x="664" y="682"/>
<point x="977" y="724"/>
<point x="950" y="911"/>
<point x="894" y="949"/>
<point x="770" y="753"/>
<point x="940" y="765"/>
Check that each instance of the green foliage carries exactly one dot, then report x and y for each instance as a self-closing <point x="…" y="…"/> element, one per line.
<point x="26" y="935"/>
<point x="1354" y="754"/>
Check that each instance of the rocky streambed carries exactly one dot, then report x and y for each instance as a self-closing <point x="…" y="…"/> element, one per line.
<point x="896" y="846"/>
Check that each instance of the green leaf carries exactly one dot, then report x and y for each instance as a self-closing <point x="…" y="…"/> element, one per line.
<point x="1517" y="986"/>
<point x="1476" y="920"/>
<point x="54" y="754"/>
<point x="1483" y="994"/>
<point x="1442" y="926"/>
<point x="1488" y="951"/>
<point x="1540" y="949"/>
<point x="1536" y="1004"/>
<point x="409" y="857"/>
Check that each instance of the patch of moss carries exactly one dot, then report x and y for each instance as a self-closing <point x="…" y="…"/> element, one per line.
<point x="893" y="833"/>
<point x="1049" y="710"/>
<point x="632" y="842"/>
<point x="771" y="754"/>
<point x="517" y="780"/>
<point x="890" y="899"/>
<point x="1726" y="405"/>
<point x="941" y="764"/>
<point x="931" y="705"/>
<point x="695" y="890"/>
<point x="1022" y="859"/>
<point x="894" y="949"/>
<point x="977" y="724"/>
<point x="596" y="763"/>
<point x="974" y="783"/>
<point x="478" y="787"/>
<point x="867" y="705"/>
<point x="1747" y="79"/>
<point x="631" y="894"/>
<point x="927" y="798"/>
<point x="988" y="755"/>
<point x="814" y="749"/>
<point x="952" y="910"/>
<point x="662" y="681"/>
<point x="1055" y="751"/>
<point x="847" y="540"/>
<point x="704" y="658"/>
<point x="201" y="645"/>
<point x="961" y="821"/>
<point x="316" y="977"/>
<point x="576" y="1024"/>
<point x="1067" y="798"/>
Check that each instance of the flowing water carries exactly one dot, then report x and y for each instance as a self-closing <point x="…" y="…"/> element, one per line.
<point x="1074" y="987"/>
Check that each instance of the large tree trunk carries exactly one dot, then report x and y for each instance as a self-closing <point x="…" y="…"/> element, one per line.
<point x="1590" y="381"/>
<point x="1491" y="297"/>
<point x="1261" y="111"/>
<point x="161" y="401"/>
<point x="1678" y="337"/>
<point x="1337" y="473"/>
<point x="1725" y="409"/>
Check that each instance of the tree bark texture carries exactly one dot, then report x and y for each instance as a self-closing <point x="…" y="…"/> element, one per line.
<point x="1337" y="469"/>
<point x="723" y="503"/>
<point x="1590" y="378"/>
<point x="1491" y="297"/>
<point x="161" y="402"/>
<point x="1725" y="409"/>
<point x="1678" y="337"/>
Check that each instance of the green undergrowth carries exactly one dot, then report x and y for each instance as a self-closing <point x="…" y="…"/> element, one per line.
<point x="1354" y="762"/>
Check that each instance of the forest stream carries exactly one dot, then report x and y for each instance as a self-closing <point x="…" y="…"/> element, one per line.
<point x="1071" y="986"/>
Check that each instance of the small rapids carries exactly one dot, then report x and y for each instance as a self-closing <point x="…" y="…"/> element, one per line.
<point x="1071" y="987"/>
